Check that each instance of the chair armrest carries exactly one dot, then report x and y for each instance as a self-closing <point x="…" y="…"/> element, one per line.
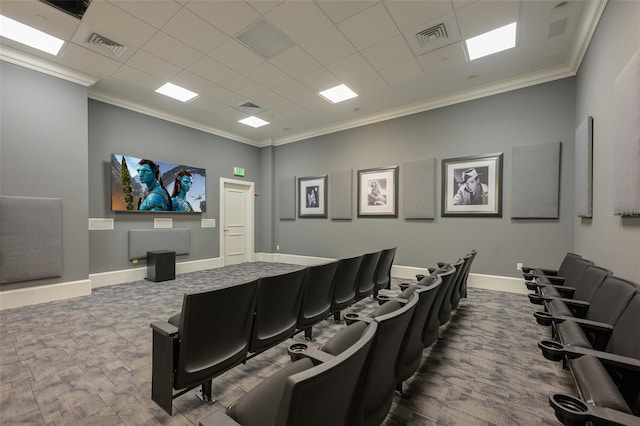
<point x="351" y="317"/>
<point x="545" y="271"/>
<point x="557" y="351"/>
<point x="572" y="411"/>
<point x="164" y="328"/>
<point x="565" y="291"/>
<point x="315" y="354"/>
<point x="219" y="418"/>
<point x="555" y="280"/>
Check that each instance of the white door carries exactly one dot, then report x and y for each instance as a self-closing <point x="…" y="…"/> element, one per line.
<point x="236" y="216"/>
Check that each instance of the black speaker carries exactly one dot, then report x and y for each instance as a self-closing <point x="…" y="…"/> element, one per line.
<point x="161" y="265"/>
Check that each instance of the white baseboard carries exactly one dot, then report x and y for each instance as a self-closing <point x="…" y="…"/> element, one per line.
<point x="295" y="259"/>
<point x="46" y="293"/>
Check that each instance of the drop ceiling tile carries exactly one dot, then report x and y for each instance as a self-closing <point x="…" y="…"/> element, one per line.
<point x="410" y="14"/>
<point x="225" y="96"/>
<point x="172" y="50"/>
<point x="291" y="109"/>
<point x="268" y="75"/>
<point x="138" y="78"/>
<point x="370" y="27"/>
<point x="244" y="86"/>
<point x="236" y="56"/>
<point x="388" y="53"/>
<point x="56" y="22"/>
<point x="156" y="13"/>
<point x="319" y="80"/>
<point x="272" y="116"/>
<point x="329" y="46"/>
<point x="402" y="72"/>
<point x="482" y="16"/>
<point x="294" y="90"/>
<point x="369" y="83"/>
<point x="193" y="82"/>
<point x="112" y="22"/>
<point x="351" y="68"/>
<point x="340" y="10"/>
<point x="299" y="20"/>
<point x="194" y="31"/>
<point x="88" y="61"/>
<point x="207" y="104"/>
<point x="212" y="70"/>
<point x="443" y="58"/>
<point x="153" y="65"/>
<point x="314" y="102"/>
<point x="269" y="99"/>
<point x="295" y="62"/>
<point x="263" y="6"/>
<point x="230" y="17"/>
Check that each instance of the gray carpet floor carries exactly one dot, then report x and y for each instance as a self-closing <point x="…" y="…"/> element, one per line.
<point x="87" y="361"/>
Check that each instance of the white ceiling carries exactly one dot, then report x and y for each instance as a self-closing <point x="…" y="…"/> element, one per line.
<point x="357" y="42"/>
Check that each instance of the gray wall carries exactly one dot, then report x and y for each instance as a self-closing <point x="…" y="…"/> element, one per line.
<point x="265" y="187"/>
<point x="608" y="240"/>
<point x="120" y="131"/>
<point x="43" y="153"/>
<point x="540" y="114"/>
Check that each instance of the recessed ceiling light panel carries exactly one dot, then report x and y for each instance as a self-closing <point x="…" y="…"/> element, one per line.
<point x="491" y="42"/>
<point x="176" y="92"/>
<point x="29" y="36"/>
<point x="338" y="94"/>
<point x="254" y="122"/>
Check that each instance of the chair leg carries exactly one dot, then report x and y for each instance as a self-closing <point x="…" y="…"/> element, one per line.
<point x="336" y="316"/>
<point x="401" y="393"/>
<point x="204" y="393"/>
<point x="307" y="334"/>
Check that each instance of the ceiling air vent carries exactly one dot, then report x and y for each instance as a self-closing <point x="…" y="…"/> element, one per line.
<point x="116" y="48"/>
<point x="249" y="107"/>
<point x="433" y="35"/>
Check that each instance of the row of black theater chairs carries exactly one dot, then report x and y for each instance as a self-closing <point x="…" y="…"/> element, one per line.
<point x="219" y="329"/>
<point x="594" y="318"/>
<point x="352" y="378"/>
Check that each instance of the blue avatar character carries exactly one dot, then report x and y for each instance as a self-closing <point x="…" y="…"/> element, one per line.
<point x="156" y="197"/>
<point x="181" y="186"/>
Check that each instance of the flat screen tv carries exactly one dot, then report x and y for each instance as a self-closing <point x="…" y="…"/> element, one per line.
<point x="144" y="185"/>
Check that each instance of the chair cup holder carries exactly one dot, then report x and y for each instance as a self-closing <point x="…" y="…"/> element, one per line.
<point x="383" y="298"/>
<point x="350" y="317"/>
<point x="403" y="286"/>
<point x="552" y="350"/>
<point x="536" y="299"/>
<point x="420" y="276"/>
<point x="527" y="277"/>
<point x="531" y="285"/>
<point x="295" y="350"/>
<point x="543" y="318"/>
<point x="569" y="410"/>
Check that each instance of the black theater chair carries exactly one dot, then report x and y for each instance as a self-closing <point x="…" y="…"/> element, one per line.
<point x="311" y="391"/>
<point x="318" y="286"/>
<point x="432" y="326"/>
<point x="567" y="287"/>
<point x="594" y="329"/>
<point x="556" y="275"/>
<point x="366" y="275"/>
<point x="456" y="294"/>
<point x="463" y="284"/>
<point x="410" y="354"/>
<point x="444" y="315"/>
<point x="277" y="310"/>
<point x="373" y="400"/>
<point x="608" y="381"/>
<point x="210" y="336"/>
<point x="344" y="292"/>
<point x="382" y="279"/>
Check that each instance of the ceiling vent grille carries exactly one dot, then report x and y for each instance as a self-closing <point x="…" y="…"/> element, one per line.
<point x="249" y="107"/>
<point x="433" y="35"/>
<point x="116" y="48"/>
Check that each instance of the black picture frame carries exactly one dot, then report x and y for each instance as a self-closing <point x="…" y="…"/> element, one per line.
<point x="378" y="192"/>
<point x="312" y="196"/>
<point x="483" y="195"/>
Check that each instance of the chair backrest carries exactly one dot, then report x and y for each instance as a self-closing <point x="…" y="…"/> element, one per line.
<point x="366" y="275"/>
<point x="574" y="274"/>
<point x="383" y="271"/>
<point x="323" y="395"/>
<point x="373" y="400"/>
<point x="611" y="299"/>
<point x="214" y="332"/>
<point x="567" y="264"/>
<point x="430" y="332"/>
<point x="463" y="284"/>
<point x="444" y="315"/>
<point x="590" y="280"/>
<point x="410" y="354"/>
<point x="277" y="309"/>
<point x="456" y="294"/>
<point x="344" y="292"/>
<point x="318" y="286"/>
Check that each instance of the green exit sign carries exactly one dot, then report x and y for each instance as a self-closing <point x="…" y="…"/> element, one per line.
<point x="238" y="171"/>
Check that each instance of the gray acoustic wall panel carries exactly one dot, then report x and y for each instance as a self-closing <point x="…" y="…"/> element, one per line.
<point x="627" y="139"/>
<point x="584" y="168"/>
<point x="30" y="238"/>
<point x="419" y="184"/>
<point x="287" y="198"/>
<point x="341" y="194"/>
<point x="535" y="181"/>
<point x="143" y="240"/>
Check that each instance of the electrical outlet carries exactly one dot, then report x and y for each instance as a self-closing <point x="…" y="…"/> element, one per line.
<point x="278" y="247"/>
<point x="519" y="266"/>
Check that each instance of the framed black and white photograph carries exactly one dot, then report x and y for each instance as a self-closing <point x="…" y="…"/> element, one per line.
<point x="378" y="192"/>
<point x="312" y="196"/>
<point x="472" y="186"/>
